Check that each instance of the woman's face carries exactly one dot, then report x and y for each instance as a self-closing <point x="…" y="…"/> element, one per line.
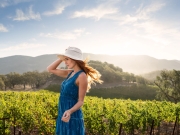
<point x="70" y="63"/>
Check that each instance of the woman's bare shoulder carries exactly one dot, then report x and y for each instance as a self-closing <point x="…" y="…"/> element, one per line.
<point x="82" y="76"/>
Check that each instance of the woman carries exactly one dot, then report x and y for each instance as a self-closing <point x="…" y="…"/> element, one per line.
<point x="78" y="79"/>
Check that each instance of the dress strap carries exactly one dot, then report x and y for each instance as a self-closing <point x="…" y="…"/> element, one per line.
<point x="69" y="75"/>
<point x="74" y="76"/>
<point x="77" y="74"/>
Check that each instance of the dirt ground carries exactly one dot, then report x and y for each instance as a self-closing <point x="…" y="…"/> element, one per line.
<point x="163" y="129"/>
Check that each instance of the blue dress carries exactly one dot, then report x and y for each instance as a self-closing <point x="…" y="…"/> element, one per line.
<point x="68" y="98"/>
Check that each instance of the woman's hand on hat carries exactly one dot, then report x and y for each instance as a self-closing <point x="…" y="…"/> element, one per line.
<point x="62" y="58"/>
<point x="66" y="116"/>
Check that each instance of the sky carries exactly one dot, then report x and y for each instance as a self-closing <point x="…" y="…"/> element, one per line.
<point x="113" y="27"/>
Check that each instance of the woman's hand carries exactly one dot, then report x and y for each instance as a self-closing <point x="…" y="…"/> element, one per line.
<point x="66" y="116"/>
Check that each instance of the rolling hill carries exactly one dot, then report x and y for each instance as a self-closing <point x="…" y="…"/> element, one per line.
<point x="137" y="64"/>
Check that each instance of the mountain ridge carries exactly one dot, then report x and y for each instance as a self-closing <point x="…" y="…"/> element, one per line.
<point x="137" y="64"/>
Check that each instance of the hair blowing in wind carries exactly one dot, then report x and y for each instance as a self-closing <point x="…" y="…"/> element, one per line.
<point x="92" y="74"/>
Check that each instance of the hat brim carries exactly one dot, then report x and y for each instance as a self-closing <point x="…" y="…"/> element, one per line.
<point x="63" y="56"/>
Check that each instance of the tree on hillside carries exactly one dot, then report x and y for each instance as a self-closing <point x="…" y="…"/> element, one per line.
<point x="30" y="76"/>
<point x="34" y="79"/>
<point x="115" y="68"/>
<point x="46" y="75"/>
<point x="26" y="79"/>
<point x="40" y="78"/>
<point x="97" y="65"/>
<point x="169" y="85"/>
<point x="14" y="79"/>
<point x="128" y="77"/>
<point x="2" y="85"/>
<point x="141" y="80"/>
<point x="132" y="77"/>
<point x="109" y="72"/>
<point x="6" y="81"/>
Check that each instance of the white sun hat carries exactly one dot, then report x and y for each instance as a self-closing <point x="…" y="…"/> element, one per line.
<point x="73" y="53"/>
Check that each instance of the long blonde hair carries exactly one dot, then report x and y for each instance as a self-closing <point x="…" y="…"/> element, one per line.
<point x="92" y="74"/>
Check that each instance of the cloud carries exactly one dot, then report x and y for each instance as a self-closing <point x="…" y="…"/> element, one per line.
<point x="96" y="13"/>
<point x="157" y="32"/>
<point x="144" y="12"/>
<point x="58" y="8"/>
<point x="3" y="29"/>
<point x="5" y="3"/>
<point x="143" y="24"/>
<point x="146" y="26"/>
<point x="65" y="35"/>
<point x="57" y="11"/>
<point x="22" y="47"/>
<point x="30" y="15"/>
<point x="109" y="10"/>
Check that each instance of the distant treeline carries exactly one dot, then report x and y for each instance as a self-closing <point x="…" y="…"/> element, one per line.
<point x="36" y="79"/>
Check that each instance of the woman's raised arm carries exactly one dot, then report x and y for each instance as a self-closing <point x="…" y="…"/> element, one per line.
<point x="52" y="68"/>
